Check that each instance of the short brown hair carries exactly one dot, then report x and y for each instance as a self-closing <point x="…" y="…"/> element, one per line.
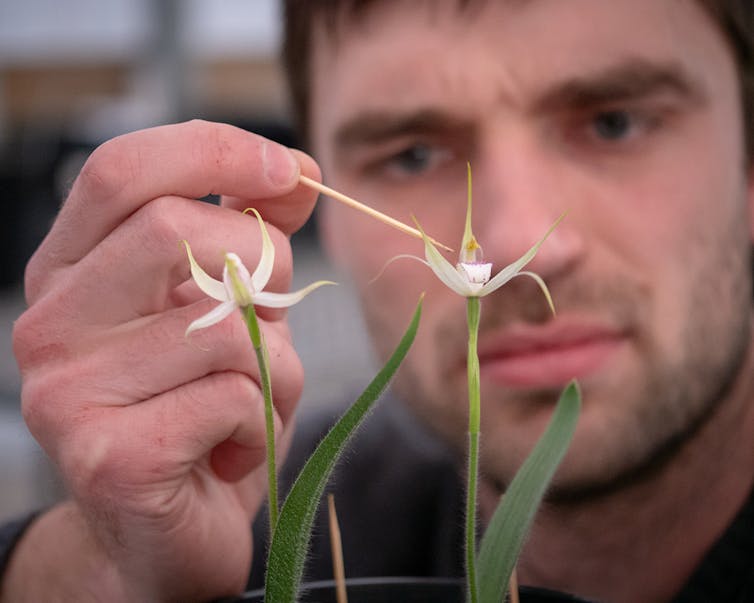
<point x="734" y="17"/>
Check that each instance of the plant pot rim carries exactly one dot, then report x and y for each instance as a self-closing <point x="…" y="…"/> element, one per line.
<point x="368" y="580"/>
<point x="320" y="585"/>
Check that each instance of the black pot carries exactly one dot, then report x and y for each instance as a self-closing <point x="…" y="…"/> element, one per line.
<point x="404" y="590"/>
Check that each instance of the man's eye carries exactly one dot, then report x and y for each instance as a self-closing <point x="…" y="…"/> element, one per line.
<point x="613" y="125"/>
<point x="415" y="160"/>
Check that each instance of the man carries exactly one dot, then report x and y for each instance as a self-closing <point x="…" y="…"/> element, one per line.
<point x="628" y="114"/>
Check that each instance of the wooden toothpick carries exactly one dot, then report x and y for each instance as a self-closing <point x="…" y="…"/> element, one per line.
<point x="333" y="194"/>
<point x="513" y="587"/>
<point x="337" y="553"/>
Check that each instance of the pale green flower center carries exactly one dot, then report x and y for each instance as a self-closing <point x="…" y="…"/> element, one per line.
<point x="237" y="281"/>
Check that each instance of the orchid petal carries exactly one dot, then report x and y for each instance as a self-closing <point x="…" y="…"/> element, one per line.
<point x="497" y="281"/>
<point x="210" y="286"/>
<point x="468" y="236"/>
<point x="514" y="268"/>
<point x="263" y="271"/>
<point x="493" y="286"/>
<point x="212" y="317"/>
<point x="540" y="281"/>
<point x="511" y="269"/>
<point x="442" y="268"/>
<point x="269" y="299"/>
<point x="401" y="256"/>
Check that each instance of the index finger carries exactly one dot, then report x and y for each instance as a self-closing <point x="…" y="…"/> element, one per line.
<point x="192" y="159"/>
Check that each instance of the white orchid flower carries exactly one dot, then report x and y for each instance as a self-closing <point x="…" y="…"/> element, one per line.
<point x="471" y="277"/>
<point x="239" y="288"/>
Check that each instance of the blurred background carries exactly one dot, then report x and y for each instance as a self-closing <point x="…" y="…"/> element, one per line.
<point x="75" y="73"/>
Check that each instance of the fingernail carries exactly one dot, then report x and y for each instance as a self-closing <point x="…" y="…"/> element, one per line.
<point x="280" y="166"/>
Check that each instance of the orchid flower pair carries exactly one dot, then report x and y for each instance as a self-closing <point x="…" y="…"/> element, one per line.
<point x="471" y="278"/>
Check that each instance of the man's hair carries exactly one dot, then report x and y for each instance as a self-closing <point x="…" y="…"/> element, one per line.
<point x="734" y="17"/>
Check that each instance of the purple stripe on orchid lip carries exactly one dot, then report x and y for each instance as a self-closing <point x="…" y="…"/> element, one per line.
<point x="476" y="272"/>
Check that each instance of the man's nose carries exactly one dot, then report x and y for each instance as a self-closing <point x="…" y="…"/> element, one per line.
<point x="520" y="189"/>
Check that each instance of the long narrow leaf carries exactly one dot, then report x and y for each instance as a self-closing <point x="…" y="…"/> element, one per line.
<point x="504" y="537"/>
<point x="290" y="540"/>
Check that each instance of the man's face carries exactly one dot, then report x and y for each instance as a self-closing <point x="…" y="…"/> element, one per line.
<point x="626" y="114"/>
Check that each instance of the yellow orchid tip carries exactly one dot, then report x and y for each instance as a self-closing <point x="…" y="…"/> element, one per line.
<point x="472" y="244"/>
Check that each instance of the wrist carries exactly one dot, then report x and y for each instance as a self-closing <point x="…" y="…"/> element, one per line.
<point x="57" y="559"/>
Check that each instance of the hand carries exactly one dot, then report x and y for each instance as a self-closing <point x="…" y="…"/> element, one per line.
<point x="159" y="437"/>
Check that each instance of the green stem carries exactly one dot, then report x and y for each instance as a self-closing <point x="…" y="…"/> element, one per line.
<point x="257" y="340"/>
<point x="472" y="314"/>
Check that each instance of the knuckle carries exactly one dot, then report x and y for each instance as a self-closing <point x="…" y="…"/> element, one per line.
<point x="92" y="463"/>
<point x="34" y="340"/>
<point x="95" y="455"/>
<point x="42" y="405"/>
<point x="35" y="275"/>
<point x="106" y="172"/>
<point x="22" y="337"/>
<point x="236" y="387"/>
<point x="158" y="222"/>
<point x="33" y="408"/>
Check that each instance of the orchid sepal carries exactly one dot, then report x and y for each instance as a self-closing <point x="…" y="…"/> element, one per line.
<point x="515" y="268"/>
<point x="210" y="286"/>
<point x="217" y="314"/>
<point x="443" y="269"/>
<point x="269" y="299"/>
<point x="263" y="271"/>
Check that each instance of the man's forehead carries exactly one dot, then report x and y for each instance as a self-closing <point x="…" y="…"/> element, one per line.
<point x="397" y="75"/>
<point x="336" y="18"/>
<point x="400" y="56"/>
<point x="336" y="14"/>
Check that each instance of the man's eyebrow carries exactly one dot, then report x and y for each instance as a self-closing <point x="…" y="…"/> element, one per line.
<point x="632" y="79"/>
<point x="379" y="126"/>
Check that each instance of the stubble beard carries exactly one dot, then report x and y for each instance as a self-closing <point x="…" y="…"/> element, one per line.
<point x="678" y="394"/>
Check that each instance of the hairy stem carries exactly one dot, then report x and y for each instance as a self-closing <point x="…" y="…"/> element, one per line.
<point x="472" y="313"/>
<point x="257" y="340"/>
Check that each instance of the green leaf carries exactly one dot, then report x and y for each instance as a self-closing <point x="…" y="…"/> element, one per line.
<point x="504" y="537"/>
<point x="290" y="540"/>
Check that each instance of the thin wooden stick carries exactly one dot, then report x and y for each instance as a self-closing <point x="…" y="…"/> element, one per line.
<point x="337" y="553"/>
<point x="333" y="194"/>
<point x="513" y="587"/>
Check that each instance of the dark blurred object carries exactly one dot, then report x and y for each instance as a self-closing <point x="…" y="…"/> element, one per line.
<point x="36" y="170"/>
<point x="27" y="197"/>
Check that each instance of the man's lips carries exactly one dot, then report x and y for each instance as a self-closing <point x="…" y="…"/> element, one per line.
<point x="548" y="355"/>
